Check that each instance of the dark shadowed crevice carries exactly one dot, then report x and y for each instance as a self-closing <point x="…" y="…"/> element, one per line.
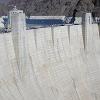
<point x="84" y="31"/>
<point x="84" y="36"/>
<point x="69" y="33"/>
<point x="99" y="29"/>
<point x="52" y="31"/>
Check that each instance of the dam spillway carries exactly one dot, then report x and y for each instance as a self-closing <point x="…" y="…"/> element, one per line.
<point x="52" y="63"/>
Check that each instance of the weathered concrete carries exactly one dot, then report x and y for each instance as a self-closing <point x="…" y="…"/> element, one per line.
<point x="57" y="65"/>
<point x="50" y="63"/>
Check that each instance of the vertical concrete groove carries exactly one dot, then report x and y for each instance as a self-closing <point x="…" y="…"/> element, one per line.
<point x="84" y="35"/>
<point x="35" y="37"/>
<point x="52" y="33"/>
<point x="69" y="33"/>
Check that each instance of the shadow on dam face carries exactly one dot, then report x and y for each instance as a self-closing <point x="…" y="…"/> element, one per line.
<point x="99" y="29"/>
<point x="84" y="35"/>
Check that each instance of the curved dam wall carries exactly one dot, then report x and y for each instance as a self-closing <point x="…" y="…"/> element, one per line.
<point x="50" y="64"/>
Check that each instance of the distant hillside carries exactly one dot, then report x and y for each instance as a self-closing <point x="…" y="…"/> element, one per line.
<point x="3" y="9"/>
<point x="4" y="1"/>
<point x="55" y="7"/>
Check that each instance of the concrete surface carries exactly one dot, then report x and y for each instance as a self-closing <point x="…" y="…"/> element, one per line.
<point x="54" y="64"/>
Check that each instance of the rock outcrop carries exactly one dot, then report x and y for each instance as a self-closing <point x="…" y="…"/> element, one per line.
<point x="55" y="7"/>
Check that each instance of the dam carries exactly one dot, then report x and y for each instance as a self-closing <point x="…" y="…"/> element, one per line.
<point x="50" y="63"/>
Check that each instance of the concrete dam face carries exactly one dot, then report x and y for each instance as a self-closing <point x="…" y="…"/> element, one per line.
<point x="53" y="63"/>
